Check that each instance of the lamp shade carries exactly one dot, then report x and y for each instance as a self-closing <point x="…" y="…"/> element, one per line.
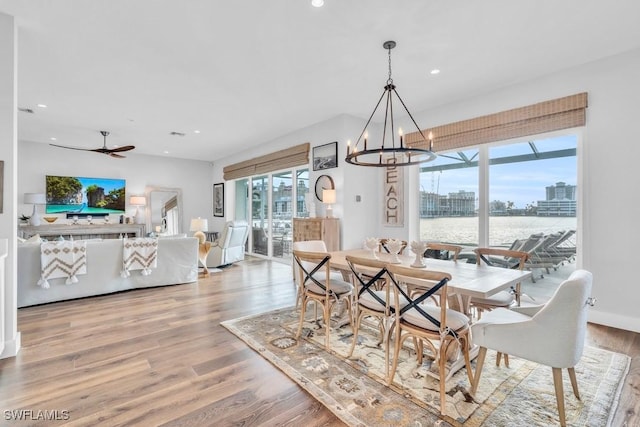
<point x="35" y="199"/>
<point x="199" y="224"/>
<point x="138" y="200"/>
<point x="328" y="196"/>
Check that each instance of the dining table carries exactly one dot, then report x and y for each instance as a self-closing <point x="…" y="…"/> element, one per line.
<point x="467" y="281"/>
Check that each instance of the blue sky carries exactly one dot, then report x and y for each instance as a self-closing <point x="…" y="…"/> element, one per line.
<point x="521" y="183"/>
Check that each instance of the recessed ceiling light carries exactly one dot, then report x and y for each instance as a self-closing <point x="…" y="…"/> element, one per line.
<point x="317" y="3"/>
<point x="165" y="152"/>
<point x="435" y="71"/>
<point x="196" y="131"/>
<point x="53" y="138"/>
<point x="42" y="106"/>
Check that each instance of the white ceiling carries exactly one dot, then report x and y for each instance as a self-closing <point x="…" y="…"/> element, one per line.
<point x="247" y="71"/>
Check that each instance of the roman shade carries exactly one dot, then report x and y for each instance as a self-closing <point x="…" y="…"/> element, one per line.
<point x="547" y="116"/>
<point x="287" y="158"/>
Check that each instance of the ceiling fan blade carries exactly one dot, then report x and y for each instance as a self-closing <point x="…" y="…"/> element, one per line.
<point x="71" y="148"/>
<point x="123" y="148"/>
<point x="102" y="150"/>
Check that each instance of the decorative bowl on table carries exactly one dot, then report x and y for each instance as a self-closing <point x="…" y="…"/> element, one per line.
<point x="50" y="219"/>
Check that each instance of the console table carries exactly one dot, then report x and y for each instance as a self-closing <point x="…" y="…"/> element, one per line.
<point x="83" y="231"/>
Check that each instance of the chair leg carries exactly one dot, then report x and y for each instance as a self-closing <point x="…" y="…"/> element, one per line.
<point x="479" y="362"/>
<point x="356" y="328"/>
<point x="396" y="355"/>
<point x="574" y="382"/>
<point x="498" y="358"/>
<point x="557" y="382"/>
<point x="302" y="313"/>
<point x="441" y="368"/>
<point x="467" y="359"/>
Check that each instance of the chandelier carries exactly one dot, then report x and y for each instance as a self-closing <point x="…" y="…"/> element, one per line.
<point x="389" y="154"/>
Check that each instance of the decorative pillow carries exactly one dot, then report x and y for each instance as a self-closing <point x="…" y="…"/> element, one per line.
<point x="34" y="239"/>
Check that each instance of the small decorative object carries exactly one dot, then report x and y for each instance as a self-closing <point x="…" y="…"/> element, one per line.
<point x="325" y="156"/>
<point x="139" y="202"/>
<point x="35" y="199"/>
<point x="372" y="244"/>
<point x="218" y="199"/>
<point x="106" y="219"/>
<point x="50" y="219"/>
<point x="418" y="248"/>
<point x="75" y="219"/>
<point x="89" y="219"/>
<point x="394" y="246"/>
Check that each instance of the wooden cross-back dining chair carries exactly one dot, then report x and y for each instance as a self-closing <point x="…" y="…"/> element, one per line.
<point x="371" y="301"/>
<point x="499" y="257"/>
<point x="318" y="285"/>
<point x="452" y="250"/>
<point x="385" y="249"/>
<point x="437" y="326"/>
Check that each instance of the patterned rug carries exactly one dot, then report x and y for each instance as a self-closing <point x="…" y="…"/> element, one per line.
<point x="354" y="390"/>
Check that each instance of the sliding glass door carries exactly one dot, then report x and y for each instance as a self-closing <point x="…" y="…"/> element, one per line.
<point x="273" y="200"/>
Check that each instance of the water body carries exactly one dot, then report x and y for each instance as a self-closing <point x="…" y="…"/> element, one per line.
<point x="503" y="230"/>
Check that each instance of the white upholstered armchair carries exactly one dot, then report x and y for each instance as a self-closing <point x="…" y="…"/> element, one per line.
<point x="553" y="335"/>
<point x="230" y="246"/>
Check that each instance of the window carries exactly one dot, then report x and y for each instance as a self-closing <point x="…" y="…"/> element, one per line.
<point x="531" y="189"/>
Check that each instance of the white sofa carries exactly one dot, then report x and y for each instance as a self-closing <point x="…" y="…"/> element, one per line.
<point x="230" y="246"/>
<point x="177" y="262"/>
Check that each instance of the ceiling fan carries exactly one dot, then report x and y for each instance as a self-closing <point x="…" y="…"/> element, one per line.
<point x="113" y="152"/>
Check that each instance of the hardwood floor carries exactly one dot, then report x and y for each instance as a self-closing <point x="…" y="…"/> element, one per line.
<point x="159" y="357"/>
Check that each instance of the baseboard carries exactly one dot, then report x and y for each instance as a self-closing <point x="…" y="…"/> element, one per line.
<point x="614" y="320"/>
<point x="12" y="347"/>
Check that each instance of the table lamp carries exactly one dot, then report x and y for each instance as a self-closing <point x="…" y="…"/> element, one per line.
<point x="329" y="198"/>
<point x="35" y="199"/>
<point x="199" y="225"/>
<point x="138" y="201"/>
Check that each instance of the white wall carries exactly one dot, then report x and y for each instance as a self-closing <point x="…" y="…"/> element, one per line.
<point x="608" y="166"/>
<point x="8" y="219"/>
<point x="36" y="160"/>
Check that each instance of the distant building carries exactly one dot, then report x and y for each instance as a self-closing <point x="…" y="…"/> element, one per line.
<point x="462" y="203"/>
<point x="561" y="201"/>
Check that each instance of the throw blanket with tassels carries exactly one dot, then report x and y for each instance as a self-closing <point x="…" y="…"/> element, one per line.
<point x="62" y="259"/>
<point x="139" y="254"/>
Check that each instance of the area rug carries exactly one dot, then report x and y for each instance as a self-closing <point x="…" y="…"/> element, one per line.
<point x="354" y="389"/>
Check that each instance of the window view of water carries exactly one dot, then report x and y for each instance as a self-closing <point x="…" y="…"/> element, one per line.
<point x="504" y="229"/>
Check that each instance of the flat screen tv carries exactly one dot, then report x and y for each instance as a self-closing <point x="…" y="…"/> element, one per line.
<point x="85" y="196"/>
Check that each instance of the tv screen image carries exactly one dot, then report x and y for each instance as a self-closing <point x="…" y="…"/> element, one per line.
<point x="80" y="195"/>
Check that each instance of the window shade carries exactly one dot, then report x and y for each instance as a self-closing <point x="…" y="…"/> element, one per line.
<point x="547" y="116"/>
<point x="287" y="158"/>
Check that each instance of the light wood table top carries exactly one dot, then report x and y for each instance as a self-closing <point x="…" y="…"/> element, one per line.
<point x="470" y="280"/>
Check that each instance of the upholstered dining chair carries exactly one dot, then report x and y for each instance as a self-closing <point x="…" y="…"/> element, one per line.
<point x="441" y="328"/>
<point x="369" y="301"/>
<point x="325" y="291"/>
<point x="552" y="334"/>
<point x="499" y="257"/>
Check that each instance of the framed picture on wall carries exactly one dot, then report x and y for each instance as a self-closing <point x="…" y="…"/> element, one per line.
<point x="325" y="156"/>
<point x="218" y="199"/>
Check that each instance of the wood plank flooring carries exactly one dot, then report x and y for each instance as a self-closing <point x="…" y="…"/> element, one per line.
<point x="159" y="357"/>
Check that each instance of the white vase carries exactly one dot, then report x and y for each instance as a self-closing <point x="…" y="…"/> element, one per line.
<point x="418" y="248"/>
